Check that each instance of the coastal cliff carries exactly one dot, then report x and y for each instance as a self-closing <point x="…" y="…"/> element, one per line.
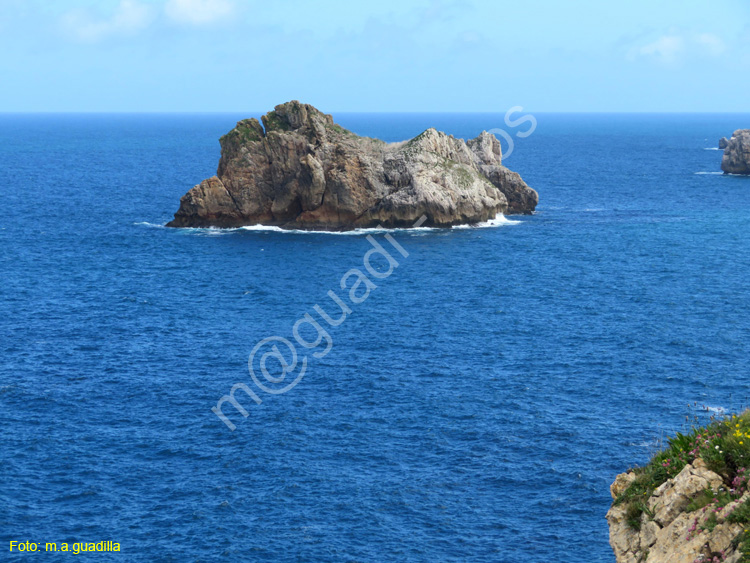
<point x="690" y="504"/>
<point x="736" y="159"/>
<point x="300" y="170"/>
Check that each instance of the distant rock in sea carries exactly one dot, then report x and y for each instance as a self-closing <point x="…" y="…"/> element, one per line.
<point x="300" y="170"/>
<point x="736" y="159"/>
<point x="723" y="143"/>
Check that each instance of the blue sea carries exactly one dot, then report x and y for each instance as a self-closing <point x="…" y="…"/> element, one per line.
<point x="474" y="407"/>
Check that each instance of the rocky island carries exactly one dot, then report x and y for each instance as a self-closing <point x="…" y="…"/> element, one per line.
<point x="300" y="170"/>
<point x="736" y="159"/>
<point x="691" y="503"/>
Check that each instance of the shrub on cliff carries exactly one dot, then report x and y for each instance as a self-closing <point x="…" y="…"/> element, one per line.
<point x="724" y="447"/>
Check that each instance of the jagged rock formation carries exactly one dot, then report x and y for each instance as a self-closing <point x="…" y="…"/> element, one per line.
<point x="300" y="170"/>
<point x="736" y="159"/>
<point x="723" y="143"/>
<point x="668" y="532"/>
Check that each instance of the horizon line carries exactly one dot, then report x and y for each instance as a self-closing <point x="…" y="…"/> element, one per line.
<point x="370" y="112"/>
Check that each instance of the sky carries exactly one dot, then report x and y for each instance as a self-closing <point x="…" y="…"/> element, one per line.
<point x="381" y="56"/>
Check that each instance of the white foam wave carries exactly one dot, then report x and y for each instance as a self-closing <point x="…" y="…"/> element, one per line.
<point x="151" y="225"/>
<point x="713" y="149"/>
<point x="651" y="444"/>
<point x="499" y="221"/>
<point x="709" y="173"/>
<point x="717" y="410"/>
<point x="370" y="231"/>
<point x="210" y="231"/>
<point x="258" y="228"/>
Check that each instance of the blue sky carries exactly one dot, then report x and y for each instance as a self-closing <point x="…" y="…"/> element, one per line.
<point x="430" y="55"/>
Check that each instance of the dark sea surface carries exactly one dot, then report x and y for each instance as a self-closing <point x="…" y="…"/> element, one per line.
<point x="475" y="407"/>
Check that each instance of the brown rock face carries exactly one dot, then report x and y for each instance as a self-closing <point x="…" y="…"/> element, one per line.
<point x="736" y="159"/>
<point x="668" y="533"/>
<point x="299" y="170"/>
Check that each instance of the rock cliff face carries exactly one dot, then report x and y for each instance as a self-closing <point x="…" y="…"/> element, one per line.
<point x="736" y="159"/>
<point x="666" y="531"/>
<point x="300" y="170"/>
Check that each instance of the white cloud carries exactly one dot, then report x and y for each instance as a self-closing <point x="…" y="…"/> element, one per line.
<point x="198" y="12"/>
<point x="666" y="49"/>
<point x="129" y="17"/>
<point x="679" y="47"/>
<point x="712" y="44"/>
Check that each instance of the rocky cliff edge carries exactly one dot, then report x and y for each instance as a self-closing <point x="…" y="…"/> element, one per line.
<point x="690" y="504"/>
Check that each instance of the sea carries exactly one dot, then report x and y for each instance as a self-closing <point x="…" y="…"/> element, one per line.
<point x="471" y="403"/>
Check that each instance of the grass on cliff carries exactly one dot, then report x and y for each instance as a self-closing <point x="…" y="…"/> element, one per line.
<point x="275" y="122"/>
<point x="741" y="515"/>
<point x="338" y="129"/>
<point x="244" y="132"/>
<point x="724" y="445"/>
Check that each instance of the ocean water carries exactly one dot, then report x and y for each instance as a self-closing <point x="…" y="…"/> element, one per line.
<point x="475" y="407"/>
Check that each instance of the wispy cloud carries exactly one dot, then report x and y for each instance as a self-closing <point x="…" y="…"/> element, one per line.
<point x="128" y="18"/>
<point x="442" y="10"/>
<point x="198" y="12"/>
<point x="677" y="47"/>
<point x="666" y="49"/>
<point x="711" y="43"/>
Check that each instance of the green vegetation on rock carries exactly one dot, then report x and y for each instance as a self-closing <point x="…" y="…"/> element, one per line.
<point x="338" y="129"/>
<point x="275" y="122"/>
<point x="245" y="131"/>
<point x="723" y="446"/>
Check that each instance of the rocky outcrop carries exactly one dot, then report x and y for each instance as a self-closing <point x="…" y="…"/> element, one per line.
<point x="300" y="170"/>
<point x="736" y="159"/>
<point x="723" y="143"/>
<point x="666" y="531"/>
